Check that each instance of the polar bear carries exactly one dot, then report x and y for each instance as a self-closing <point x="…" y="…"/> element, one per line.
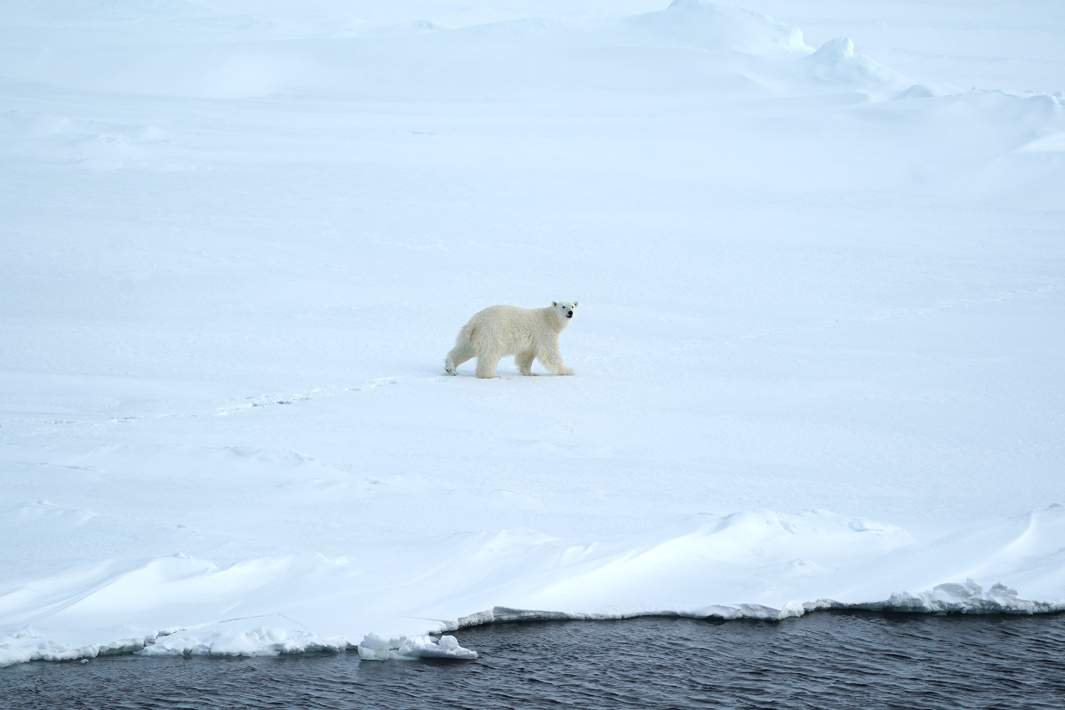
<point x="527" y="333"/>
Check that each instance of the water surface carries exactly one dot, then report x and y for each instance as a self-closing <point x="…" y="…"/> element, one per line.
<point x="825" y="660"/>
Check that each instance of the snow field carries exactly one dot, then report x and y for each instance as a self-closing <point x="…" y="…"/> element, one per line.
<point x="818" y="350"/>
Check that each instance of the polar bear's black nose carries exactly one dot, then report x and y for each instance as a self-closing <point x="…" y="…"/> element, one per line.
<point x="569" y="314"/>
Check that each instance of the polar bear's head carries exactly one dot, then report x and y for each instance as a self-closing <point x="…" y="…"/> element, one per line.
<point x="564" y="309"/>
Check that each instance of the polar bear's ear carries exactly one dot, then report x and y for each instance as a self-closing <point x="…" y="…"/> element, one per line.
<point x="554" y="303"/>
<point x="574" y="304"/>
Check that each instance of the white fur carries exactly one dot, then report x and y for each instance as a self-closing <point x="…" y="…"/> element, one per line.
<point x="527" y="333"/>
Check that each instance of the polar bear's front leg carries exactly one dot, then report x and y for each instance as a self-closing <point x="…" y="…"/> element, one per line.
<point x="524" y="361"/>
<point x="486" y="365"/>
<point x="550" y="356"/>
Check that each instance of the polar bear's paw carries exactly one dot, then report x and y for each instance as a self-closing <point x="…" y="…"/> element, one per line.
<point x="449" y="368"/>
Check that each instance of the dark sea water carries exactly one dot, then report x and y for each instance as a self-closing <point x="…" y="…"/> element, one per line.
<point x="821" y="660"/>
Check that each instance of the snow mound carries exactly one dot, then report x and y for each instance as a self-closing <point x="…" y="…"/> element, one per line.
<point x="760" y="564"/>
<point x="705" y="25"/>
<point x="963" y="598"/>
<point x="259" y="640"/>
<point x="836" y="62"/>
<point x="377" y="648"/>
<point x="1053" y="143"/>
<point x="915" y="91"/>
<point x="31" y="645"/>
<point x="271" y="635"/>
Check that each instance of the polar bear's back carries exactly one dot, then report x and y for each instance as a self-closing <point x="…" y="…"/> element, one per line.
<point x="506" y="329"/>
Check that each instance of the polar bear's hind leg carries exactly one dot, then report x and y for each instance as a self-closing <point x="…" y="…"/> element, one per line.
<point x="458" y="355"/>
<point x="486" y="365"/>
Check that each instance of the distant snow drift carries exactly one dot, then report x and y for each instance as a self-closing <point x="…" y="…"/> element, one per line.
<point x="819" y="343"/>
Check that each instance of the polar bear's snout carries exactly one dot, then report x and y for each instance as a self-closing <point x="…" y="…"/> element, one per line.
<point x="569" y="314"/>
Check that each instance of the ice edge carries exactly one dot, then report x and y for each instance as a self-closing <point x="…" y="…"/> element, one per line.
<point x="755" y="612"/>
<point x="949" y="599"/>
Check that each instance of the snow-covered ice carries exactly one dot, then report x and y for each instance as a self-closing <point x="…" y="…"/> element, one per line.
<point x="820" y="257"/>
<point x="375" y="648"/>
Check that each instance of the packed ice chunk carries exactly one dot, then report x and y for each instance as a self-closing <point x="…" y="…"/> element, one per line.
<point x="377" y="648"/>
